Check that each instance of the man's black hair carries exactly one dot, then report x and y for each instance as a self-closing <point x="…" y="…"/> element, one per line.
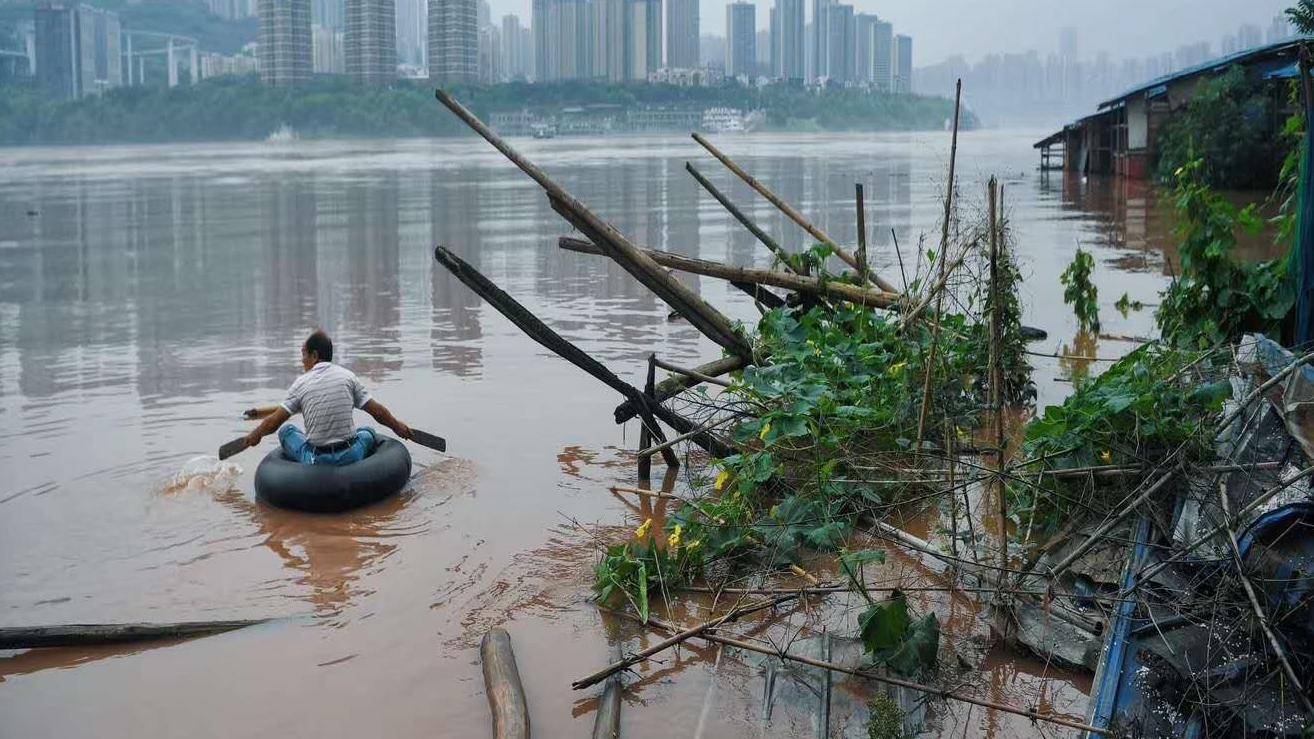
<point x="321" y="345"/>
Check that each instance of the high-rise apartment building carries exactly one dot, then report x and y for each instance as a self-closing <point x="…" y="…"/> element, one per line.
<point x="741" y="39"/>
<point x="1280" y="29"/>
<point x="772" y="44"/>
<point x="329" y="50"/>
<point x="284" y="48"/>
<point x="231" y="9"/>
<point x="864" y="48"/>
<point x="839" y="44"/>
<point x="370" y="41"/>
<point x="453" y="41"/>
<point x="820" y="38"/>
<point x="903" y="69"/>
<point x="77" y="50"/>
<point x="490" y="55"/>
<point x="538" y="26"/>
<point x="789" y="18"/>
<point x="516" y="57"/>
<point x="411" y="26"/>
<point x="882" y="53"/>
<point x="682" y="34"/>
<point x="328" y="13"/>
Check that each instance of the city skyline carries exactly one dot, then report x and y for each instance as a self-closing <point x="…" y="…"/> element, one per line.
<point x="1025" y="24"/>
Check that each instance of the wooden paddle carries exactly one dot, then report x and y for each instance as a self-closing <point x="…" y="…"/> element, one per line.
<point x="423" y="438"/>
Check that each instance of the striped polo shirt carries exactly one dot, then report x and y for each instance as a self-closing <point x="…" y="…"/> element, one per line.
<point x="325" y="396"/>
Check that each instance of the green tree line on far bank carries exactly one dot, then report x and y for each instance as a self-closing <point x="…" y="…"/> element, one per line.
<point x="242" y="108"/>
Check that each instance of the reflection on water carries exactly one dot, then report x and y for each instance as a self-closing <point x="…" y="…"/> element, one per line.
<point x="154" y="292"/>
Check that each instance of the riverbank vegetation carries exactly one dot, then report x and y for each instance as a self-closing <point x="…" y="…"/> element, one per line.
<point x="241" y="108"/>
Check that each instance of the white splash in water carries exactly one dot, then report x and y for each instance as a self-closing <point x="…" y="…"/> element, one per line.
<point x="205" y="474"/>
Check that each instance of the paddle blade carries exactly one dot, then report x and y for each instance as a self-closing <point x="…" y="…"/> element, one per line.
<point x="424" y="438"/>
<point x="232" y="447"/>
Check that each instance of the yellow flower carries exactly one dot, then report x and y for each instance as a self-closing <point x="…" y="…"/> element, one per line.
<point x="722" y="478"/>
<point x="642" y="531"/>
<point x="766" y="429"/>
<point x="1106" y="456"/>
<point x="673" y="541"/>
<point x="694" y="545"/>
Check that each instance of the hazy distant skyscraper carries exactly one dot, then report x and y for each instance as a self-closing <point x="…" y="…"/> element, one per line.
<point x="789" y="15"/>
<point x="882" y="52"/>
<point x="328" y="13"/>
<point x="903" y="68"/>
<point x="820" y="37"/>
<point x="864" y="49"/>
<point x="741" y="39"/>
<point x="77" y="50"/>
<point x="773" y="44"/>
<point x="538" y="26"/>
<point x="284" y="47"/>
<point x="1068" y="44"/>
<point x="370" y="41"/>
<point x="1279" y="29"/>
<point x="839" y="45"/>
<point x="515" y="48"/>
<point x="329" y="54"/>
<point x="411" y="26"/>
<point x="682" y="34"/>
<point x="453" y="41"/>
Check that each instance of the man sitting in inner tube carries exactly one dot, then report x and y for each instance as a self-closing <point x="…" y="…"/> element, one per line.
<point x="325" y="395"/>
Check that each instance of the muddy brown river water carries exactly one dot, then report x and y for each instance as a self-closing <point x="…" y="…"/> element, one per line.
<point x="149" y="294"/>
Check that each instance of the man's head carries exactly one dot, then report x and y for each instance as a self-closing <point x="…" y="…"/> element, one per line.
<point x="318" y="348"/>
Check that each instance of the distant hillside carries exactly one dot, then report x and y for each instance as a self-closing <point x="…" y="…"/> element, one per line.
<point x="241" y="108"/>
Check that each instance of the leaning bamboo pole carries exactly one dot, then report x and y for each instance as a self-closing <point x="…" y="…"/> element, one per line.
<point x="789" y="211"/>
<point x="708" y="320"/>
<point x="540" y="332"/>
<point x="799" y="283"/>
<point x="743" y="219"/>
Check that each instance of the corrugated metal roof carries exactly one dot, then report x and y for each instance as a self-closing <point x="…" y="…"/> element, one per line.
<point x="1274" y="49"/>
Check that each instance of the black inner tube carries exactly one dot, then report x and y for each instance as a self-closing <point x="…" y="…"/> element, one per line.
<point x="318" y="488"/>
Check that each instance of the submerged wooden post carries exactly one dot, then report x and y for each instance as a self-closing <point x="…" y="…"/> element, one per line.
<point x="645" y="436"/>
<point x="506" y="694"/>
<point x="863" y="267"/>
<point x="676" y="384"/>
<point x="607" y="724"/>
<point x="788" y="210"/>
<point x="83" y="635"/>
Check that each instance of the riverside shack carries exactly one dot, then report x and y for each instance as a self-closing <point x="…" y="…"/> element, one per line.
<point x="1119" y="138"/>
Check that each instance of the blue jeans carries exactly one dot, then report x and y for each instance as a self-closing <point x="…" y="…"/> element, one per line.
<point x="298" y="449"/>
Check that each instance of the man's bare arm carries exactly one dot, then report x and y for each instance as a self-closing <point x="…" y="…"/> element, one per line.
<point x="385" y="417"/>
<point x="268" y="426"/>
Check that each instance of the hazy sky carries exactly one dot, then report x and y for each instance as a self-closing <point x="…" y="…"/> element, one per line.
<point x="941" y="28"/>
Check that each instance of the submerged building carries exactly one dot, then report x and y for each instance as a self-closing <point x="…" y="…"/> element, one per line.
<point x="1120" y="137"/>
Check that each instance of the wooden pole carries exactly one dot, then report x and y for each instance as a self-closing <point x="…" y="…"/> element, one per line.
<point x="943" y="257"/>
<point x="607" y="724"/>
<point x="747" y="646"/>
<point x="506" y="694"/>
<point x="799" y="283"/>
<point x="864" y="269"/>
<point x="85" y="635"/>
<point x="662" y="646"/>
<point x="747" y="222"/>
<point x="788" y="210"/>
<point x="539" y="331"/>
<point x="674" y="385"/>
<point x="679" y="297"/>
<point x="695" y="374"/>
<point x="645" y="436"/>
<point x="997" y="379"/>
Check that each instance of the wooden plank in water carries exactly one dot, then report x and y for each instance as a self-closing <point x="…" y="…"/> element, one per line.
<point x="82" y="635"/>
<point x="506" y="694"/>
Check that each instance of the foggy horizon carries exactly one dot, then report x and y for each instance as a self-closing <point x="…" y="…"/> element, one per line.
<point x="979" y="29"/>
